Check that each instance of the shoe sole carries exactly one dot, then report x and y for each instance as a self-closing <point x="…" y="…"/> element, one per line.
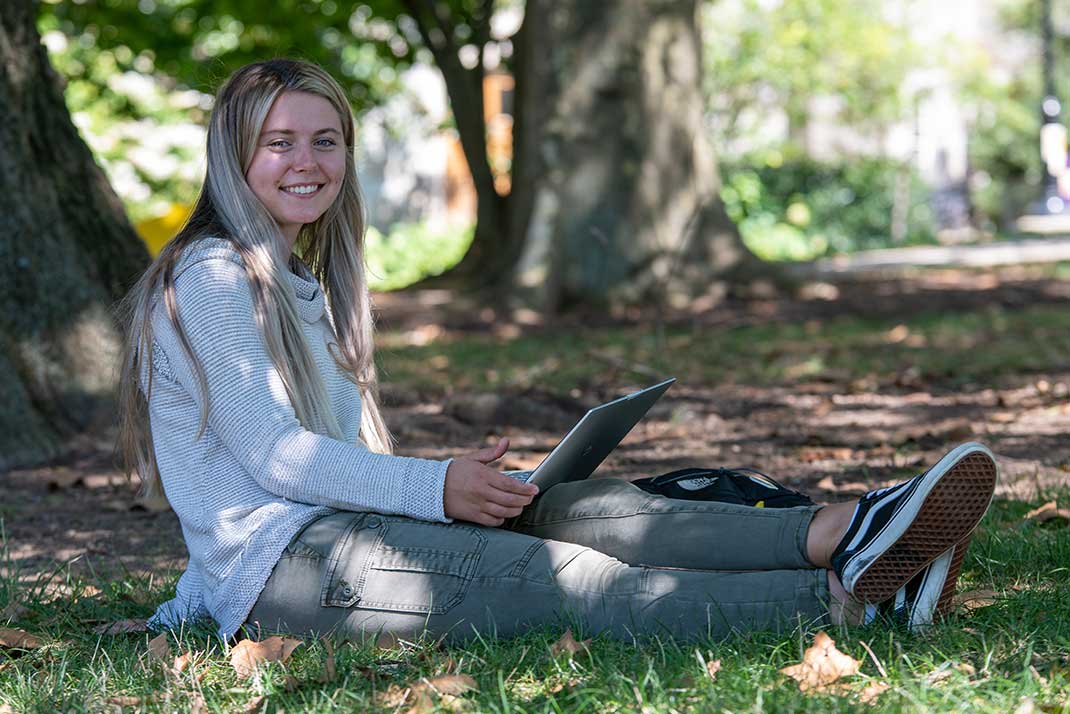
<point x="947" y="595"/>
<point x="950" y="501"/>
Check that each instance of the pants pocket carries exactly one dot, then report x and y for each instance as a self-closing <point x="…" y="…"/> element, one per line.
<point x="402" y="565"/>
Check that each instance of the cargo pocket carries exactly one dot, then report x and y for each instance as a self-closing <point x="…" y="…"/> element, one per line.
<point x="402" y="565"/>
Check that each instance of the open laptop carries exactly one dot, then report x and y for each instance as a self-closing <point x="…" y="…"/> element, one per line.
<point x="588" y="443"/>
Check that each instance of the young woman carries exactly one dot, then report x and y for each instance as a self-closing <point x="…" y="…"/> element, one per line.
<point x="250" y="399"/>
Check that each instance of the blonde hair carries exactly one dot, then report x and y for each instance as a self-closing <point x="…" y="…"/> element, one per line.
<point x="332" y="247"/>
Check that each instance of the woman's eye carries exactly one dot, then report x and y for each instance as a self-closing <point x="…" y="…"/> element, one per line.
<point x="279" y="144"/>
<point x="326" y="142"/>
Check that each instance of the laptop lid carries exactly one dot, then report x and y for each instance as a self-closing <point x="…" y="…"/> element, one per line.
<point x="594" y="436"/>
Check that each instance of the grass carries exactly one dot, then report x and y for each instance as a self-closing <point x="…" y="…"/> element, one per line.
<point x="955" y="348"/>
<point x="988" y="659"/>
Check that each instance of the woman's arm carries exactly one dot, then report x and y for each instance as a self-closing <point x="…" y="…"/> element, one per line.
<point x="249" y="410"/>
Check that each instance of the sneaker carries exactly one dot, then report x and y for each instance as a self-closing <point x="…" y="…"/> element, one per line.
<point x="897" y="531"/>
<point x="917" y="603"/>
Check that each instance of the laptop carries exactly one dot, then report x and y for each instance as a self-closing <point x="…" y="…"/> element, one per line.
<point x="588" y="443"/>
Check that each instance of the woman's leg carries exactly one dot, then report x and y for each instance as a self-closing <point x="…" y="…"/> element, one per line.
<point x="362" y="574"/>
<point x="619" y="519"/>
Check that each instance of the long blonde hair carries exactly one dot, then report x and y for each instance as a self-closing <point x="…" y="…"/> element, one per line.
<point x="332" y="247"/>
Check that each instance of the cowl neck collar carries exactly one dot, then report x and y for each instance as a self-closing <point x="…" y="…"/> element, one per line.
<point x="310" y="301"/>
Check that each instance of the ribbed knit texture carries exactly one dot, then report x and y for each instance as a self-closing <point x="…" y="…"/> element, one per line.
<point x="256" y="477"/>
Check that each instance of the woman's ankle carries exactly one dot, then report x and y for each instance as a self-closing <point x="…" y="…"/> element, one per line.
<point x="827" y="529"/>
<point x="843" y="609"/>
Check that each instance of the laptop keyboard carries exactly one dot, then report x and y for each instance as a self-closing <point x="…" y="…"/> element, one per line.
<point x="521" y="476"/>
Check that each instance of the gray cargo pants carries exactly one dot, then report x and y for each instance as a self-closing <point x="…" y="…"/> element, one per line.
<point x="601" y="552"/>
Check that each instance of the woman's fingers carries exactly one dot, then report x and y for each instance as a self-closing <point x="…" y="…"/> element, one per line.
<point x="489" y="454"/>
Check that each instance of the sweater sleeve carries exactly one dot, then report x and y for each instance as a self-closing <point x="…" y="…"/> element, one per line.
<point x="250" y="411"/>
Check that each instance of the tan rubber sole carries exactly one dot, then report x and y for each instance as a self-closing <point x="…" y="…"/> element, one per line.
<point x="947" y="595"/>
<point x="950" y="512"/>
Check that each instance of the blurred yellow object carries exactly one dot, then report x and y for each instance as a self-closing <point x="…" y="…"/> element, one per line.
<point x="155" y="232"/>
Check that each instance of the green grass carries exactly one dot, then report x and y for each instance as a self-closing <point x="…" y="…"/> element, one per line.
<point x="954" y="348"/>
<point x="986" y="660"/>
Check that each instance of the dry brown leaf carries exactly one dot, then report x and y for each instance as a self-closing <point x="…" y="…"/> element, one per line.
<point x="18" y="639"/>
<point x="13" y="611"/>
<point x="822" y="664"/>
<point x="121" y="626"/>
<point x="247" y="654"/>
<point x="869" y="694"/>
<point x="6" y="709"/>
<point x="124" y="701"/>
<point x="712" y="668"/>
<point x="182" y="662"/>
<point x="256" y="704"/>
<point x="568" y="645"/>
<point x="974" y="599"/>
<point x="160" y="648"/>
<point x="330" y="671"/>
<point x="63" y="478"/>
<point x="1049" y="511"/>
<point x="197" y="705"/>
<point x="825" y="453"/>
<point x="452" y="684"/>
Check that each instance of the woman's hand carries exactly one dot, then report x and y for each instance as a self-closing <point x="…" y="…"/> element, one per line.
<point x="478" y="493"/>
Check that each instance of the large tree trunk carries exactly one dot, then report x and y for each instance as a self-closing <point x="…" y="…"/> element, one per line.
<point x="615" y="186"/>
<point x="67" y="253"/>
<point x="624" y="193"/>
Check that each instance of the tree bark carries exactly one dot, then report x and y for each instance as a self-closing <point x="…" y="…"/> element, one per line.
<point x="615" y="190"/>
<point x="67" y="253"/>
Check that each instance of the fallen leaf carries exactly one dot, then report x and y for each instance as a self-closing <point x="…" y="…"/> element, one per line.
<point x="18" y="639"/>
<point x="871" y="691"/>
<point x="822" y="664"/>
<point x="197" y="704"/>
<point x="452" y="684"/>
<point x="974" y="599"/>
<point x="938" y="675"/>
<point x="256" y="704"/>
<point x="124" y="701"/>
<point x="13" y="611"/>
<point x="330" y="672"/>
<point x="121" y="626"/>
<point x="825" y="453"/>
<point x="568" y="644"/>
<point x="291" y="683"/>
<point x="247" y="654"/>
<point x="160" y="648"/>
<point x="1028" y="706"/>
<point x="712" y="668"/>
<point x="1049" y="511"/>
<point x="6" y="709"/>
<point x="63" y="478"/>
<point x="181" y="663"/>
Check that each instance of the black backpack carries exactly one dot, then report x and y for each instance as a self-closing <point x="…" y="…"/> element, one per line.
<point x="742" y="486"/>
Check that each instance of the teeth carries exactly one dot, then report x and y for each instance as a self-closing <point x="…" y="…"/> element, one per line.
<point x="301" y="189"/>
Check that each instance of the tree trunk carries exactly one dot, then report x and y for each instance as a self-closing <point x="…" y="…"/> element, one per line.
<point x="615" y="187"/>
<point x="67" y="253"/>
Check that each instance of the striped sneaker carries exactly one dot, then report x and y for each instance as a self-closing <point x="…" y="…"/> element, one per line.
<point x="917" y="603"/>
<point x="897" y="531"/>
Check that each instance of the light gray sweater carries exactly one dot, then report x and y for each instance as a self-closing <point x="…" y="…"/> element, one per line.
<point x="256" y="476"/>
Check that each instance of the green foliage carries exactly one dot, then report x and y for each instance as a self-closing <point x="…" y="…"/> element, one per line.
<point x="800" y="209"/>
<point x="783" y="54"/>
<point x="412" y="251"/>
<point x="1004" y="145"/>
<point x="147" y="135"/>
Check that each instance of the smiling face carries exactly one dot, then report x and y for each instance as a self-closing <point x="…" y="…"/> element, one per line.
<point x="299" y="162"/>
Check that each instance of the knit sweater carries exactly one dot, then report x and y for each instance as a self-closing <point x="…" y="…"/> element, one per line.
<point x="255" y="477"/>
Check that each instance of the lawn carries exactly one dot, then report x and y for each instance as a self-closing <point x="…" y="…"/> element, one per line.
<point x="833" y="401"/>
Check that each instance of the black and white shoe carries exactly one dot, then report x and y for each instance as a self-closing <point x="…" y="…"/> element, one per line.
<point x="897" y="531"/>
<point x="916" y="604"/>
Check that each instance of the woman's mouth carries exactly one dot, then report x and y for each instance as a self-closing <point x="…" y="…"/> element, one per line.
<point x="303" y="189"/>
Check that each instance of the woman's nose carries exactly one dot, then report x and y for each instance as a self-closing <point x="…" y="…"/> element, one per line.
<point x="304" y="158"/>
